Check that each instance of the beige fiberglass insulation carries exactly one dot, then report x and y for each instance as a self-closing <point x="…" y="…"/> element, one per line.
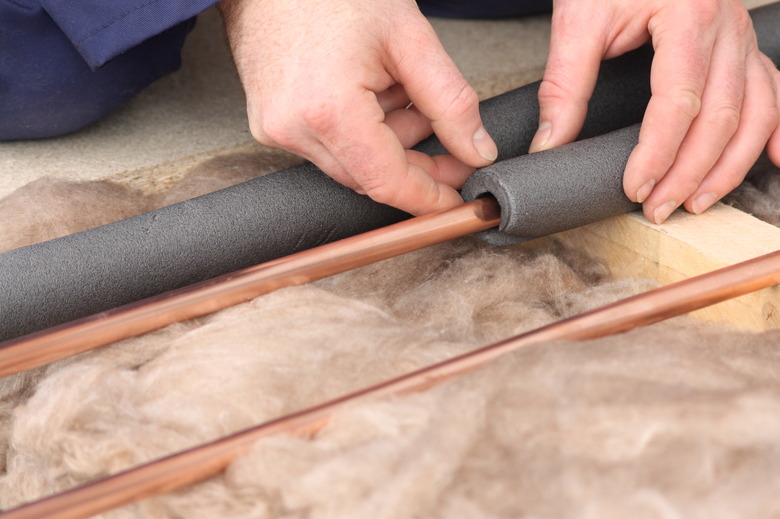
<point x="673" y="421"/>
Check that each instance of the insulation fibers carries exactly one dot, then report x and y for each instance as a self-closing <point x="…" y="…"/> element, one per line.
<point x="759" y="195"/>
<point x="675" y="420"/>
<point x="42" y="209"/>
<point x="49" y="208"/>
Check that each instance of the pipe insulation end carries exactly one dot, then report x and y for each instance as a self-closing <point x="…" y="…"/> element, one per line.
<point x="557" y="189"/>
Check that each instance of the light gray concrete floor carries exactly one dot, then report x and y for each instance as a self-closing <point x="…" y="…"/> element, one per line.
<point x="199" y="112"/>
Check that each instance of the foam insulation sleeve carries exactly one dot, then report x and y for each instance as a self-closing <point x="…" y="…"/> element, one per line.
<point x="619" y="100"/>
<point x="60" y="280"/>
<point x="557" y="189"/>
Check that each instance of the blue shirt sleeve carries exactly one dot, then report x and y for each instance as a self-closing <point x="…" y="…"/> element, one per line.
<point x="102" y="29"/>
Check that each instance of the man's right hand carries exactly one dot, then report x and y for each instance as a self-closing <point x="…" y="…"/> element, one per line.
<point x="330" y="81"/>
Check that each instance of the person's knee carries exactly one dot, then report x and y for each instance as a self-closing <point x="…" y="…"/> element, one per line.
<point x="47" y="89"/>
<point x="53" y="105"/>
<point x="57" y="100"/>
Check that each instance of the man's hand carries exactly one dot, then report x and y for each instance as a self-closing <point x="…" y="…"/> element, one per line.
<point x="714" y="99"/>
<point x="331" y="81"/>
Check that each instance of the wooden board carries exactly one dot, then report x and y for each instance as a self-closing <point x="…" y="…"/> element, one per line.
<point x="685" y="246"/>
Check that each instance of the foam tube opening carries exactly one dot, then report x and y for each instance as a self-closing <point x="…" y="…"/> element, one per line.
<point x="557" y="189"/>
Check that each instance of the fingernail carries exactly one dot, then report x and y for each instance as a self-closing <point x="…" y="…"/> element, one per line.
<point x="644" y="191"/>
<point x="542" y="137"/>
<point x="485" y="145"/>
<point x="663" y="211"/>
<point x="703" y="202"/>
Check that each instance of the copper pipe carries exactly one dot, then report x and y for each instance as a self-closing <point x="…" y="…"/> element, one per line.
<point x="198" y="463"/>
<point x="39" y="348"/>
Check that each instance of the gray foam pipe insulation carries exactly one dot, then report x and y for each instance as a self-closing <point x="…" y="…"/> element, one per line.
<point x="298" y="208"/>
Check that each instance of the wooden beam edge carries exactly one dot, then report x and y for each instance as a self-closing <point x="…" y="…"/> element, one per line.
<point x="686" y="246"/>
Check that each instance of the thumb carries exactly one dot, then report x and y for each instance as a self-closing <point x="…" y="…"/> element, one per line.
<point x="441" y="93"/>
<point x="569" y="78"/>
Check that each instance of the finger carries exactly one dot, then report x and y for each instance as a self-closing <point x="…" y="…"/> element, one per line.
<point x="441" y="93"/>
<point x="442" y="168"/>
<point x="569" y="77"/>
<point x="677" y="79"/>
<point x="321" y="157"/>
<point x="711" y="130"/>
<point x="393" y="98"/>
<point x="759" y="120"/>
<point x="773" y="146"/>
<point x="375" y="159"/>
<point x="304" y="146"/>
<point x="409" y="125"/>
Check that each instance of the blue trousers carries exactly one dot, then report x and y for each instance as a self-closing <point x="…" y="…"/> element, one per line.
<point x="483" y="8"/>
<point x="64" y="65"/>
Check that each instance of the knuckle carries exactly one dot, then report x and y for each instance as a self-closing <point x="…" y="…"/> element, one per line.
<point x="687" y="101"/>
<point x="770" y="115"/>
<point x="379" y="190"/>
<point x="769" y="121"/>
<point x="462" y="101"/>
<point x="550" y="90"/>
<point x="767" y="63"/>
<point x="743" y="24"/>
<point x="656" y="161"/>
<point x="701" y="13"/>
<point x="772" y="118"/>
<point x="274" y="132"/>
<point x="553" y="90"/>
<point x="725" y="119"/>
<point x="259" y="133"/>
<point x="707" y="13"/>
<point x="319" y="115"/>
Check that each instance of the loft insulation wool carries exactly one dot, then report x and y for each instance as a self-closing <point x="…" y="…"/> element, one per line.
<point x="676" y="420"/>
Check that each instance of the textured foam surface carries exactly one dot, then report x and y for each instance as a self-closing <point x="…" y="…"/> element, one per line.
<point x="766" y="22"/>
